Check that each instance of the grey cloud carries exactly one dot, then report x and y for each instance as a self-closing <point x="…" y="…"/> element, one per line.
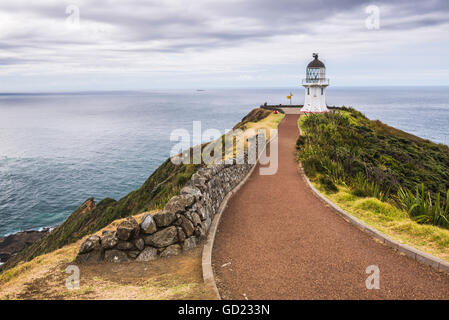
<point x="178" y="29"/>
<point x="14" y="61"/>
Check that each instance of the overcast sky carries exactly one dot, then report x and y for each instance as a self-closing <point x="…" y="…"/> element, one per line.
<point x="122" y="45"/>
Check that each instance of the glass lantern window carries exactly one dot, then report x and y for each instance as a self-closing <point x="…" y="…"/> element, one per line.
<point x="313" y="74"/>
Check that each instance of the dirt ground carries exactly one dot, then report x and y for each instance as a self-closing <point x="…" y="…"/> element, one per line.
<point x="178" y="277"/>
<point x="277" y="240"/>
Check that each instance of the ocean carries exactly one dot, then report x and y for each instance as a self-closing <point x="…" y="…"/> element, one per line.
<point x="57" y="150"/>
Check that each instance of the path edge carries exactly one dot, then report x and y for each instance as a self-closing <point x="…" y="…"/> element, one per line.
<point x="413" y="253"/>
<point x="206" y="263"/>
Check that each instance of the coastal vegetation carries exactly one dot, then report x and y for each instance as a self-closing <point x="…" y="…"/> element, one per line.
<point x="388" y="178"/>
<point x="44" y="277"/>
<point x="165" y="182"/>
<point x="38" y="272"/>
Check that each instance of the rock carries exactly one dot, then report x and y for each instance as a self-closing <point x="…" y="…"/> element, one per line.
<point x="128" y="229"/>
<point x="91" y="243"/>
<point x="179" y="204"/>
<point x="201" y="210"/>
<point x="148" y="239"/>
<point x="148" y="254"/>
<point x="189" y="243"/>
<point x="207" y="173"/>
<point x="164" y="237"/>
<point x="148" y="225"/>
<point x="109" y="240"/>
<point x="15" y="243"/>
<point x="200" y="232"/>
<point x="115" y="256"/>
<point x="199" y="181"/>
<point x="172" y="250"/>
<point x="188" y="215"/>
<point x="140" y="244"/>
<point x="178" y="220"/>
<point x="195" y="219"/>
<point x="194" y="191"/>
<point x="133" y="254"/>
<point x="125" y="245"/>
<point x="164" y="218"/>
<point x="187" y="226"/>
<point x="207" y="224"/>
<point x="93" y="256"/>
<point x="181" y="235"/>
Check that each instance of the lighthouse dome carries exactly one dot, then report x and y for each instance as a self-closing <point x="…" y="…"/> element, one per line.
<point x="315" y="63"/>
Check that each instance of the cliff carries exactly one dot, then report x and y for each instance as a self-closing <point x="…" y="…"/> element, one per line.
<point x="162" y="185"/>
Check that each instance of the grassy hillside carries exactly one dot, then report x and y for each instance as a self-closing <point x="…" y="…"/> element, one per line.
<point x="391" y="180"/>
<point x="254" y="115"/>
<point x="163" y="184"/>
<point x="44" y="277"/>
<point x="345" y="144"/>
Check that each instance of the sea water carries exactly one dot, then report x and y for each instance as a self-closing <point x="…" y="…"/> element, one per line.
<point x="57" y="150"/>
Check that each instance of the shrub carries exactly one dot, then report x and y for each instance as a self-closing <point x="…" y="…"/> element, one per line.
<point x="327" y="184"/>
<point x="373" y="160"/>
<point x="421" y="208"/>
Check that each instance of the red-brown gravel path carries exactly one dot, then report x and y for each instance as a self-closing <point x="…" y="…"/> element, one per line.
<point x="284" y="243"/>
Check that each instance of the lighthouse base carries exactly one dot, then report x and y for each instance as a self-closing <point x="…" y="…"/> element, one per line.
<point x="306" y="109"/>
<point x="309" y="112"/>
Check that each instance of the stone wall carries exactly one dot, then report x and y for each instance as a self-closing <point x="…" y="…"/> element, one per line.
<point x="184" y="221"/>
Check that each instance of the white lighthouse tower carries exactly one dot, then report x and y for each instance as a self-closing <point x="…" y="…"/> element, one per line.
<point x="315" y="84"/>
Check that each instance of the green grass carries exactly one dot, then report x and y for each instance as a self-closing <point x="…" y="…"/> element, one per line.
<point x="164" y="183"/>
<point x="375" y="160"/>
<point x="392" y="221"/>
<point x="385" y="155"/>
<point x="368" y="169"/>
<point x="422" y="208"/>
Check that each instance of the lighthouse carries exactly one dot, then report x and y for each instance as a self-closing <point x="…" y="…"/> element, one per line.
<point x="315" y="85"/>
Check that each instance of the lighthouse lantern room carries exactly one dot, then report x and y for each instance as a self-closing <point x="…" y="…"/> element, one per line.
<point x="315" y="85"/>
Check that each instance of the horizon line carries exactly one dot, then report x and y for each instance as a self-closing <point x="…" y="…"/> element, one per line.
<point x="202" y="89"/>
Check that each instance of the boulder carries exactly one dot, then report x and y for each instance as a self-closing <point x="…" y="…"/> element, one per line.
<point x="207" y="224"/>
<point x="178" y="221"/>
<point x="188" y="215"/>
<point x="115" y="256"/>
<point x="189" y="243"/>
<point x="109" y="240"/>
<point x="128" y="229"/>
<point x="14" y="243"/>
<point x="139" y="244"/>
<point x="187" y="226"/>
<point x="201" y="210"/>
<point x="148" y="240"/>
<point x="93" y="256"/>
<point x="164" y="218"/>
<point x="133" y="254"/>
<point x="195" y="219"/>
<point x="172" y="250"/>
<point x="148" y="254"/>
<point x="194" y="191"/>
<point x="199" y="181"/>
<point x="125" y="245"/>
<point x="91" y="243"/>
<point x="179" y="204"/>
<point x="148" y="225"/>
<point x="200" y="232"/>
<point x="164" y="237"/>
<point x="181" y="235"/>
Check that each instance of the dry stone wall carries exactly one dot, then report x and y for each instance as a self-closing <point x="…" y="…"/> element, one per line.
<point x="184" y="221"/>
